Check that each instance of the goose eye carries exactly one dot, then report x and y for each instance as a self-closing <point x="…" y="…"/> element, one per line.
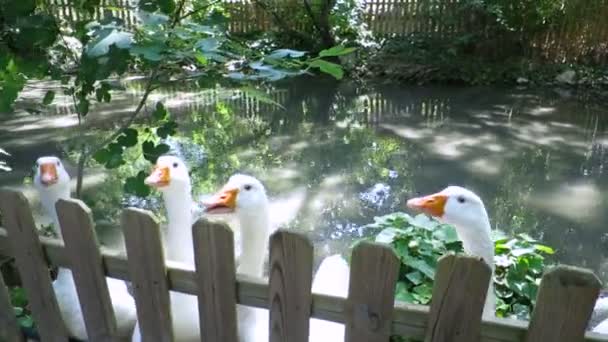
<point x="461" y="199"/>
<point x="58" y="164"/>
<point x="247" y="187"/>
<point x="175" y="165"/>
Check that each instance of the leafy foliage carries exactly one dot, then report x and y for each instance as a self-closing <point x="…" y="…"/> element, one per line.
<point x="20" y="306"/>
<point x="420" y="241"/>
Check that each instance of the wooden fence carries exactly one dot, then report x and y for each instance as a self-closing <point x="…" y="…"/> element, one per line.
<point x="581" y="35"/>
<point x="564" y="303"/>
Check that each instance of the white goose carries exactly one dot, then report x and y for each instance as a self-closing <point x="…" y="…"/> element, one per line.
<point x="170" y="176"/>
<point x="465" y="211"/>
<point x="53" y="183"/>
<point x="245" y="197"/>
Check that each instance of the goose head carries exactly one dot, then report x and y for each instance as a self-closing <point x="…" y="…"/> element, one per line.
<point x="169" y="175"/>
<point x="50" y="175"/>
<point x="242" y="195"/>
<point x="454" y="205"/>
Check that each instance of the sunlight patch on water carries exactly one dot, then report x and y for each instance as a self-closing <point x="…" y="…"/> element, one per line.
<point x="582" y="202"/>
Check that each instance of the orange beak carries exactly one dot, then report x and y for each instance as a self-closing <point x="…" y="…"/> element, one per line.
<point x="48" y="174"/>
<point x="433" y="205"/>
<point x="159" y="177"/>
<point x="223" y="202"/>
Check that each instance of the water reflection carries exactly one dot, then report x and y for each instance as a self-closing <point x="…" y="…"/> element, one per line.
<point x="338" y="154"/>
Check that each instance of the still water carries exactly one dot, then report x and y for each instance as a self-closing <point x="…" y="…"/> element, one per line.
<point x="334" y="155"/>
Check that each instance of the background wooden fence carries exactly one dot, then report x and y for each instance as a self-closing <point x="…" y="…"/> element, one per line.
<point x="580" y="35"/>
<point x="564" y="304"/>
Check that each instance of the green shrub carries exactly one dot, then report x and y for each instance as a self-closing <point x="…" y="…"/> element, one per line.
<point x="420" y="241"/>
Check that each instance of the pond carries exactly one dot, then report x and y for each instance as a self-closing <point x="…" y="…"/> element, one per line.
<point x="334" y="155"/>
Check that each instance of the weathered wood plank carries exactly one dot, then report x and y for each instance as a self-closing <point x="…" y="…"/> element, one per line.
<point x="82" y="248"/>
<point x="9" y="327"/>
<point x="459" y="292"/>
<point x="290" y="286"/>
<point x="369" y="307"/>
<point x="409" y="320"/>
<point x="145" y="256"/>
<point x="216" y="278"/>
<point x="25" y="246"/>
<point x="564" y="304"/>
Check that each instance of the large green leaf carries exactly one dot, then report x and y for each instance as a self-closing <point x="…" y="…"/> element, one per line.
<point x="336" y="51"/>
<point x="135" y="185"/>
<point x="330" y="68"/>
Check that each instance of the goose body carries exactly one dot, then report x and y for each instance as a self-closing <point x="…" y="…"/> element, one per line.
<point x="53" y="183"/>
<point x="332" y="279"/>
<point x="244" y="198"/>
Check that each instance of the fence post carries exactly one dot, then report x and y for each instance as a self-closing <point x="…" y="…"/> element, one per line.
<point x="146" y="259"/>
<point x="371" y="294"/>
<point x="459" y="293"/>
<point x="290" y="287"/>
<point x="9" y="327"/>
<point x="32" y="266"/>
<point x="564" y="305"/>
<point x="216" y="278"/>
<point x="82" y="249"/>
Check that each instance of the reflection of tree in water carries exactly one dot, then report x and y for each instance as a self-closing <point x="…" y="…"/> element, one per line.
<point x="511" y="211"/>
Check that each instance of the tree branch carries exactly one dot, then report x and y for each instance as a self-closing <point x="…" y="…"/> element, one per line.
<point x="86" y="153"/>
<point x="281" y="23"/>
<point x="194" y="11"/>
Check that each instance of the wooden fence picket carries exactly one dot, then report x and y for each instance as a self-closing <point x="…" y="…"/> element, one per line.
<point x="290" y="295"/>
<point x="82" y="248"/>
<point x="216" y="278"/>
<point x="371" y="294"/>
<point x="33" y="269"/>
<point x="146" y="259"/>
<point x="564" y="304"/>
<point x="459" y="292"/>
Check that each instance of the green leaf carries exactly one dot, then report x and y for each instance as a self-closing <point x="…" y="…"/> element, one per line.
<point x="18" y="297"/>
<point x="135" y="185"/>
<point x="421" y="266"/>
<point x="544" y="249"/>
<point x="208" y="44"/>
<point x="446" y="234"/>
<point x="282" y="53"/>
<point x="17" y="310"/>
<point x="402" y="294"/>
<point x="101" y="45"/>
<point x="337" y="51"/>
<point x="160" y="113"/>
<point x="522" y="251"/>
<point x="152" y="152"/>
<point x="151" y="51"/>
<point x="26" y="321"/>
<point x="332" y="69"/>
<point x="386" y="236"/>
<point x="82" y="107"/>
<point x="415" y="277"/>
<point x="48" y="98"/>
<point x="102" y="156"/>
<point x="260" y="96"/>
<point x="128" y="138"/>
<point x="167" y="129"/>
<point x="201" y="58"/>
